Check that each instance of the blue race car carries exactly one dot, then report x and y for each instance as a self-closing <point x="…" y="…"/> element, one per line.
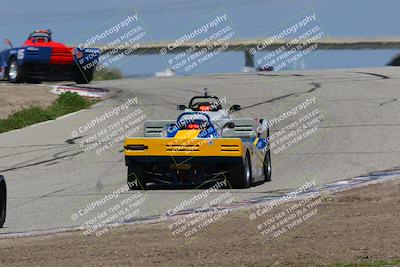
<point x="42" y="59"/>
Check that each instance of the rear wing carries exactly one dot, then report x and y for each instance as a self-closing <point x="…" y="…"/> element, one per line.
<point x="170" y="147"/>
<point x="244" y="128"/>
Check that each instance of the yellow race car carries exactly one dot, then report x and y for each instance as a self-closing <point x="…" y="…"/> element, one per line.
<point x="206" y="143"/>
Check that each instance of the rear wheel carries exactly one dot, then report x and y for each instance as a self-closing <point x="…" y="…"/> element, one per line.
<point x="136" y="179"/>
<point x="14" y="72"/>
<point x="3" y="202"/>
<point x="240" y="176"/>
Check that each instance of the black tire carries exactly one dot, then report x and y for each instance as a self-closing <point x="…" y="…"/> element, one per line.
<point x="84" y="76"/>
<point x="3" y="201"/>
<point x="14" y="72"/>
<point x="267" y="167"/>
<point x="33" y="81"/>
<point x="136" y="178"/>
<point x="240" y="175"/>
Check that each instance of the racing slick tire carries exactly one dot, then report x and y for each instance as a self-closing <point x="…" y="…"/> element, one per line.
<point x="3" y="201"/>
<point x="240" y="176"/>
<point x="14" y="72"/>
<point x="267" y="167"/>
<point x="84" y="76"/>
<point x="136" y="179"/>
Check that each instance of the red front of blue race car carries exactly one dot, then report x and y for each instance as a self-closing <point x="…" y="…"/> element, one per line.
<point x="42" y="59"/>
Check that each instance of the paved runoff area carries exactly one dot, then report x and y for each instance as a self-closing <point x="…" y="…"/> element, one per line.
<point x="328" y="125"/>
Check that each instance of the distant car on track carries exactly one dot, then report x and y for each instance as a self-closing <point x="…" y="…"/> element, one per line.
<point x="42" y="59"/>
<point x="3" y="200"/>
<point x="265" y="68"/>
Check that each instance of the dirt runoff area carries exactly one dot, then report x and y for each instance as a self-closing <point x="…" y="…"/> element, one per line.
<point x="358" y="225"/>
<point x="15" y="97"/>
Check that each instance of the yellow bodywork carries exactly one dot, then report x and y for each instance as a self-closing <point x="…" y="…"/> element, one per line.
<point x="184" y="144"/>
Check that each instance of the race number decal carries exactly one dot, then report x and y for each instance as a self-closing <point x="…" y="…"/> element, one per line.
<point x="20" y="54"/>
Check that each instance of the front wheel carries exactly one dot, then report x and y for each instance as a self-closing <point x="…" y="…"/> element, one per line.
<point x="14" y="73"/>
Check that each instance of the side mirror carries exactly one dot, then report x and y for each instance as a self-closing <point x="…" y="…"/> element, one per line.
<point x="8" y="42"/>
<point x="182" y="107"/>
<point x="235" y="108"/>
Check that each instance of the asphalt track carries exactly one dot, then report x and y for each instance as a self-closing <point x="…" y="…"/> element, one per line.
<point x="50" y="178"/>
